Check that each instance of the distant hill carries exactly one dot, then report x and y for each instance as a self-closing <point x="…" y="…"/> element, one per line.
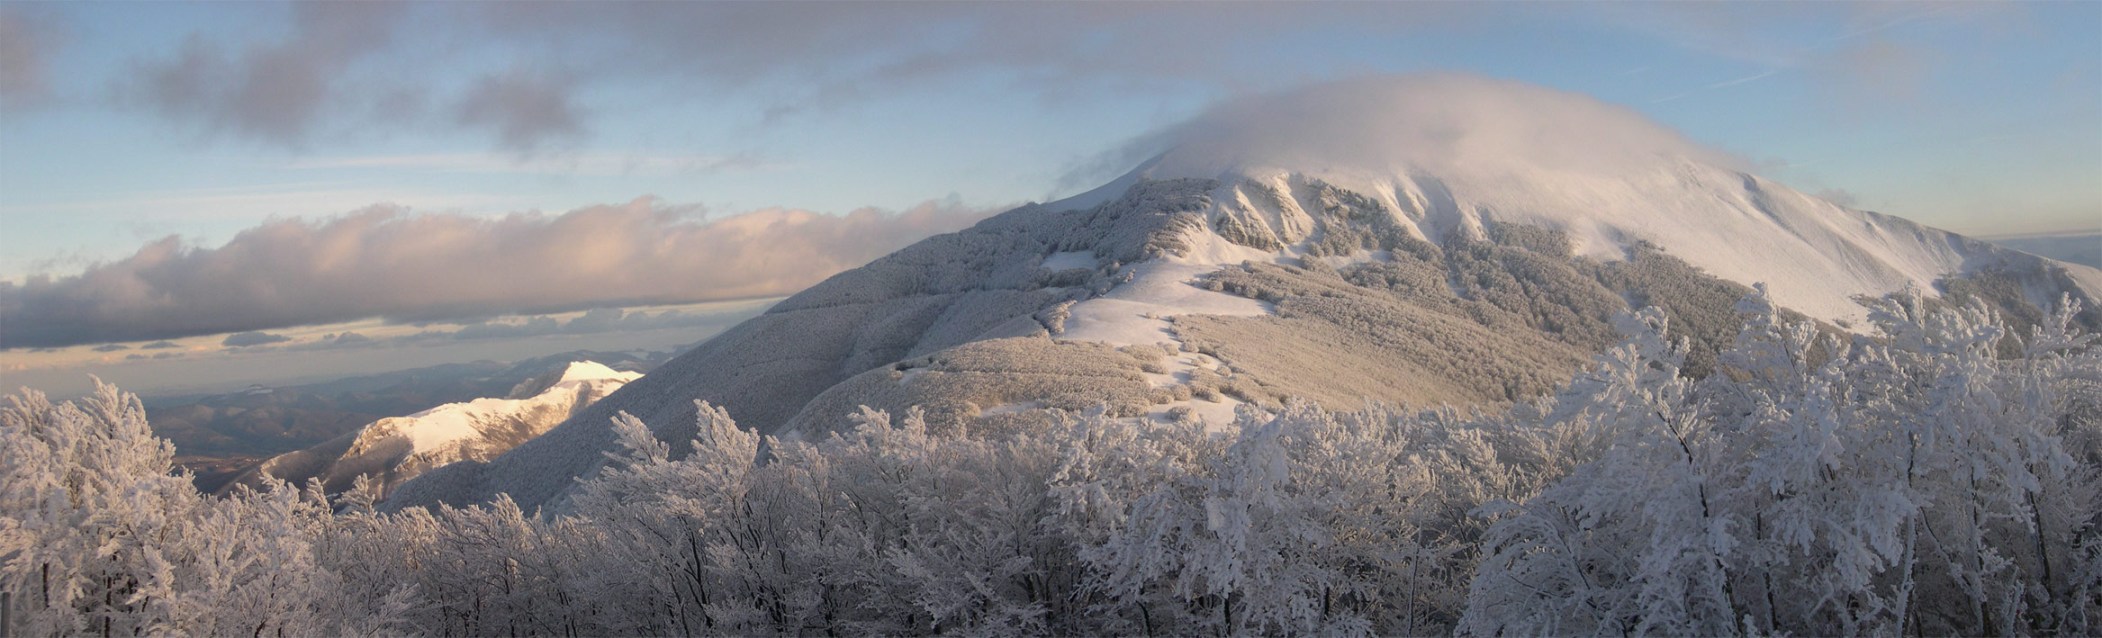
<point x="219" y="436"/>
<point x="396" y="449"/>
<point x="2084" y="248"/>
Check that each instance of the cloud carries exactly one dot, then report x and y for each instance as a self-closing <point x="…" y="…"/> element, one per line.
<point x="160" y="345"/>
<point x="533" y="327"/>
<point x="392" y="263"/>
<point x="597" y="320"/>
<point x="1445" y="124"/>
<point x="277" y="92"/>
<point x="375" y="68"/>
<point x="594" y="321"/>
<point x="111" y="347"/>
<point x="524" y="111"/>
<point x="368" y="65"/>
<point x="337" y="341"/>
<point x="252" y="338"/>
<point x="817" y="56"/>
<point x="25" y="46"/>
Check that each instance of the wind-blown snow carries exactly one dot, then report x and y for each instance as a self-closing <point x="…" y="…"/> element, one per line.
<point x="1451" y="153"/>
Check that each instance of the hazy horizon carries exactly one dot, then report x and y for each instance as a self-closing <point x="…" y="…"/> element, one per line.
<point x="207" y="364"/>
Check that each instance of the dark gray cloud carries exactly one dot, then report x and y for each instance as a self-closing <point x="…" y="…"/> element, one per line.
<point x="366" y="64"/>
<point x="388" y="262"/>
<point x="160" y="345"/>
<point x="533" y="327"/>
<point x="380" y="66"/>
<point x="337" y="341"/>
<point x="252" y="338"/>
<point x="365" y="68"/>
<point x="594" y="321"/>
<point x="822" y="55"/>
<point x="111" y="347"/>
<point x="277" y="91"/>
<point x="524" y="111"/>
<point x="25" y="46"/>
<point x="598" y="320"/>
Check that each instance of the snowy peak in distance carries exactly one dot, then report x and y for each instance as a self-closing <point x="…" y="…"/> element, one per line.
<point x="575" y="372"/>
<point x="396" y="449"/>
<point x="454" y="431"/>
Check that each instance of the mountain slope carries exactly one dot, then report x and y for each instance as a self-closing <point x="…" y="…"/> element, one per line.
<point x="1420" y="241"/>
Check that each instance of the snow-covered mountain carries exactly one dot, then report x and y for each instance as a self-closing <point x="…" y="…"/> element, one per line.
<point x="396" y="449"/>
<point x="1425" y="240"/>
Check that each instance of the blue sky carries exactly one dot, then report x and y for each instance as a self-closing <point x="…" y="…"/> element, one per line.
<point x="842" y="131"/>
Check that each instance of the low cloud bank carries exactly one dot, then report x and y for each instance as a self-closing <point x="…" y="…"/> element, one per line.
<point x="246" y="339"/>
<point x="388" y="262"/>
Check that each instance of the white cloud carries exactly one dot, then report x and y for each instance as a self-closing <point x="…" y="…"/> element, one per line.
<point x="390" y="262"/>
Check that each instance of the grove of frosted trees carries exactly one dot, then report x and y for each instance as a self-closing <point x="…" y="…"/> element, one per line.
<point x="1917" y="481"/>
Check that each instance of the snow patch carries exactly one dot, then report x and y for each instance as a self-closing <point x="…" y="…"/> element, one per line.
<point x="1137" y="311"/>
<point x="1071" y="260"/>
<point x="1217" y="416"/>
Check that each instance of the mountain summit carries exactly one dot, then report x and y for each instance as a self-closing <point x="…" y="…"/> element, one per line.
<point x="1447" y="154"/>
<point x="1426" y="240"/>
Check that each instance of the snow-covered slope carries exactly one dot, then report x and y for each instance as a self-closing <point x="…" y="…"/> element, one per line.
<point x="396" y="449"/>
<point x="1450" y="154"/>
<point x="1419" y="240"/>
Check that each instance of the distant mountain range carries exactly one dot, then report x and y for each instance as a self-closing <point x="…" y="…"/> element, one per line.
<point x="1426" y="241"/>
<point x="396" y="449"/>
<point x="220" y="436"/>
<point x="2073" y="248"/>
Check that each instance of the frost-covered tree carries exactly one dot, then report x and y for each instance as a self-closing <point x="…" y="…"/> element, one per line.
<point x="99" y="536"/>
<point x="1910" y="482"/>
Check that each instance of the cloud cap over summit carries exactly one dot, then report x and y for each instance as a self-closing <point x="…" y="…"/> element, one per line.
<point x="1397" y="124"/>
